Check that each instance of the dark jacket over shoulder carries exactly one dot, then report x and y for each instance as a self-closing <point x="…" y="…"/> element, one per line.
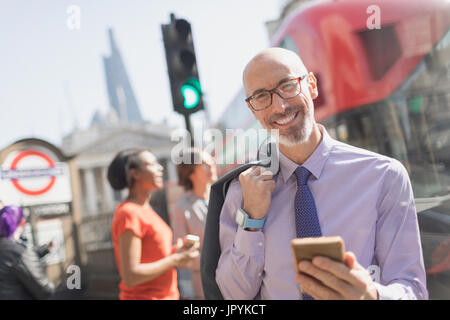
<point x="22" y="274"/>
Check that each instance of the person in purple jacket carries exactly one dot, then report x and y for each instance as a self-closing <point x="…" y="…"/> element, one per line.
<point x="22" y="272"/>
<point x="323" y="188"/>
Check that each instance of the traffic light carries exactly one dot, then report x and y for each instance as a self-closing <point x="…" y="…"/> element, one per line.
<point x="182" y="66"/>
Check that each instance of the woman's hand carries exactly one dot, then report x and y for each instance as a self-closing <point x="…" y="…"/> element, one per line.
<point x="183" y="256"/>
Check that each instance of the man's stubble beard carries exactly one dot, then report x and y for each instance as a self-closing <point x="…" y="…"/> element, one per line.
<point x="298" y="133"/>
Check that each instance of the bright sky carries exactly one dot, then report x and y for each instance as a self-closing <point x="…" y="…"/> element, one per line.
<point x="40" y="57"/>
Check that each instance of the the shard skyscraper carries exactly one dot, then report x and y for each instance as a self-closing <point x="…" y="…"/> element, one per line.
<point x="120" y="92"/>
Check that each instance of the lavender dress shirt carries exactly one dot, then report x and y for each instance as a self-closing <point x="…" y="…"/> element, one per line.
<point x="364" y="197"/>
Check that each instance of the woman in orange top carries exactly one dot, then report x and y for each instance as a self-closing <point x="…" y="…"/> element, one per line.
<point x="142" y="240"/>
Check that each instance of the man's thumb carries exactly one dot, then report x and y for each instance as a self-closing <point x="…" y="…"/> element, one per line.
<point x="350" y="259"/>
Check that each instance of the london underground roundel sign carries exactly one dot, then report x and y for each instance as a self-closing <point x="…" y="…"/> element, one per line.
<point x="33" y="176"/>
<point x="18" y="174"/>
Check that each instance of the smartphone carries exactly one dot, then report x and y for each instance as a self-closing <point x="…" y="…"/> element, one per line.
<point x="189" y="240"/>
<point x="308" y="248"/>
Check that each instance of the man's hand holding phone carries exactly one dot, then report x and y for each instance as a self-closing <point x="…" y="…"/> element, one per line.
<point x="325" y="272"/>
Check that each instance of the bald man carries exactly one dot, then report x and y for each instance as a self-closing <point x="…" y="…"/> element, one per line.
<point x="361" y="196"/>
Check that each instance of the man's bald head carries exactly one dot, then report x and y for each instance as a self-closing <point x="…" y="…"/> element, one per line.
<point x="272" y="58"/>
<point x="292" y="117"/>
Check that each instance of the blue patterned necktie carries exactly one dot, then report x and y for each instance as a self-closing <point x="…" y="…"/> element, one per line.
<point x="306" y="219"/>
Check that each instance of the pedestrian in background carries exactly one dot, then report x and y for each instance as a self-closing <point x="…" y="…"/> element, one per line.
<point x="145" y="257"/>
<point x="195" y="174"/>
<point x="22" y="273"/>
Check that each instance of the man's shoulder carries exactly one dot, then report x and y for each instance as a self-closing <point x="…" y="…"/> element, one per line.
<point x="367" y="158"/>
<point x="350" y="152"/>
<point x="344" y="148"/>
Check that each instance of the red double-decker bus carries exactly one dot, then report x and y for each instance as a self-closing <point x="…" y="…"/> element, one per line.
<point x="385" y="88"/>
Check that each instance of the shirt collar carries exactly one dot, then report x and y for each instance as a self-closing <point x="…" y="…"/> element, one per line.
<point x="316" y="160"/>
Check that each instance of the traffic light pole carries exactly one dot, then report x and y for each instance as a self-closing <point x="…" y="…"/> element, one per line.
<point x="187" y="120"/>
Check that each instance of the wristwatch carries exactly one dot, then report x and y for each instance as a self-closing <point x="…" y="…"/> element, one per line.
<point x="245" y="222"/>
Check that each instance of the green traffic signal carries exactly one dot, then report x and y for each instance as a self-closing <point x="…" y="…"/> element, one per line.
<point x="191" y="92"/>
<point x="187" y="95"/>
<point x="190" y="95"/>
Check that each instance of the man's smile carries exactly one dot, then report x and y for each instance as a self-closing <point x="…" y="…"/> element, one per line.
<point x="287" y="120"/>
<point x="281" y="121"/>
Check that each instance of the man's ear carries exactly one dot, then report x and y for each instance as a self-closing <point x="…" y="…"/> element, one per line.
<point x="312" y="86"/>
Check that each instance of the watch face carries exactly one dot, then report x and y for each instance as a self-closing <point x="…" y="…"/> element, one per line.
<point x="239" y="218"/>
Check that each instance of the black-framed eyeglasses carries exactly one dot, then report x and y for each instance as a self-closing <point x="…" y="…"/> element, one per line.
<point x="287" y="90"/>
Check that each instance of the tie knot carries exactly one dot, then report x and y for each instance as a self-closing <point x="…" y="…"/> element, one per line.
<point x="302" y="175"/>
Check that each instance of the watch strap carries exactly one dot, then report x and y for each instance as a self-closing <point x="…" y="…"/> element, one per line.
<point x="254" y="223"/>
<point x="251" y="223"/>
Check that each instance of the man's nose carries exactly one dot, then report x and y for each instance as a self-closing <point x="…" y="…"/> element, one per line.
<point x="278" y="103"/>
